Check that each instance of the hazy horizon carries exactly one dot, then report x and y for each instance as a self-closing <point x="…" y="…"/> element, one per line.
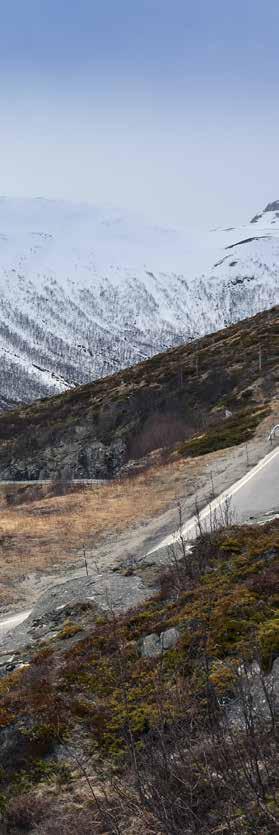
<point x="168" y="110"/>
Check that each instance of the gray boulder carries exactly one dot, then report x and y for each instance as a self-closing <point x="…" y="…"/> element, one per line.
<point x="153" y="645"/>
<point x="169" y="638"/>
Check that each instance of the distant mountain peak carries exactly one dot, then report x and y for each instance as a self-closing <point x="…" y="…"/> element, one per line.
<point x="272" y="207"/>
<point x="87" y="290"/>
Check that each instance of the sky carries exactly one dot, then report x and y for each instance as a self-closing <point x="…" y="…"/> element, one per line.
<point x="167" y="107"/>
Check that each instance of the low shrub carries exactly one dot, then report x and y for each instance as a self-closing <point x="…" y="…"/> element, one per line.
<point x="231" y="432"/>
<point x="68" y="631"/>
<point x="24" y="812"/>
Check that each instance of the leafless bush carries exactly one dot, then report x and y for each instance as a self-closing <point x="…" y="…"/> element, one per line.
<point x="25" y="812"/>
<point x="160" y="431"/>
<point x="217" y="774"/>
<point x="64" y="487"/>
<point x="266" y="582"/>
<point x="188" y="559"/>
<point x="23" y="494"/>
<point x="213" y="770"/>
<point x="209" y="767"/>
<point x="39" y="816"/>
<point x="85" y="822"/>
<point x="126" y="818"/>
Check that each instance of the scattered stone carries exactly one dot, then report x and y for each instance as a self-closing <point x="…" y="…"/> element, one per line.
<point x="150" y="646"/>
<point x="153" y="645"/>
<point x="6" y="659"/>
<point x="49" y="636"/>
<point x="262" y="689"/>
<point x="103" y="593"/>
<point x="161" y="557"/>
<point x="169" y="638"/>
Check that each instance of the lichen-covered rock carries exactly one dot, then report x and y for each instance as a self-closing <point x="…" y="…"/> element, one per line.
<point x="150" y="646"/>
<point x="169" y="638"/>
<point x="68" y="460"/>
<point x="153" y="645"/>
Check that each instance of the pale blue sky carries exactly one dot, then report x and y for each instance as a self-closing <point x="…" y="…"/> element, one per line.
<point x="165" y="106"/>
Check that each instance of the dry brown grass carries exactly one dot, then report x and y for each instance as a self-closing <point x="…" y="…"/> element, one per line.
<point x="49" y="530"/>
<point x="53" y="529"/>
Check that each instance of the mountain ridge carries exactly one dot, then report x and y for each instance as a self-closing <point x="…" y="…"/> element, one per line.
<point x="86" y="291"/>
<point x="95" y="430"/>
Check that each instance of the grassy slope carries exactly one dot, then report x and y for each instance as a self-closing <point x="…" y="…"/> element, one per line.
<point x="90" y="683"/>
<point x="42" y="530"/>
<point x="191" y="385"/>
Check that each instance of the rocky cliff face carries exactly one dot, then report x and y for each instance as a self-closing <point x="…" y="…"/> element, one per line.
<point x="67" y="459"/>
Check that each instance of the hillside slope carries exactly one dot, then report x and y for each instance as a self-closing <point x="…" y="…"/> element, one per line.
<point x="85" y="291"/>
<point x="95" y="430"/>
<point x="162" y="718"/>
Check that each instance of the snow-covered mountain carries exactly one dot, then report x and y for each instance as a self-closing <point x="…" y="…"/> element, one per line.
<point x="86" y="291"/>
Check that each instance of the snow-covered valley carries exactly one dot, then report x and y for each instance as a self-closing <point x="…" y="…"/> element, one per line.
<point x="86" y="291"/>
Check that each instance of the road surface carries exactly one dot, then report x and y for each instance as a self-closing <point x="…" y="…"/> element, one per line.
<point x="255" y="494"/>
<point x="13" y="621"/>
<point x="252" y="496"/>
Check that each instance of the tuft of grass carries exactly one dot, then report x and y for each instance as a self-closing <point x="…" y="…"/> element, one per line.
<point x="68" y="631"/>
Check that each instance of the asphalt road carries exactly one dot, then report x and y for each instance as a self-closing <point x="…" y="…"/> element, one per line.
<point x="254" y="495"/>
<point x="13" y="621"/>
<point x="260" y="493"/>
